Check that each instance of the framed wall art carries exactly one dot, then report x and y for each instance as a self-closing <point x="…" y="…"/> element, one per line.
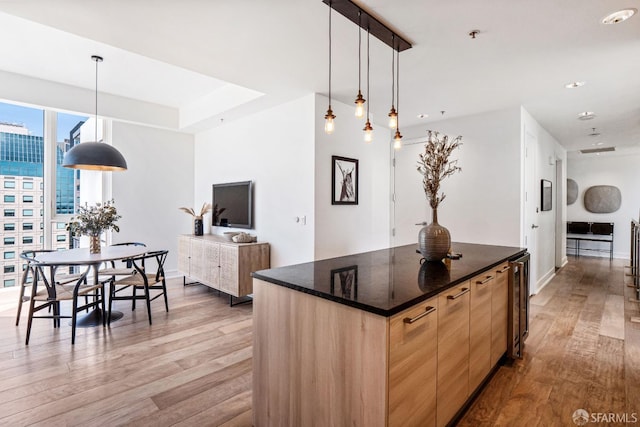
<point x="344" y="181"/>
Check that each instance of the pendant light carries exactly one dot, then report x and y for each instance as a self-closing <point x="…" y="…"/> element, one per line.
<point x="359" y="99"/>
<point x="397" y="138"/>
<point x="95" y="155"/>
<point x="368" y="129"/>
<point x="328" y="123"/>
<point x="393" y="115"/>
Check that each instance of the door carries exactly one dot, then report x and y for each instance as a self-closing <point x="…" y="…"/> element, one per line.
<point x="531" y="198"/>
<point x="410" y="207"/>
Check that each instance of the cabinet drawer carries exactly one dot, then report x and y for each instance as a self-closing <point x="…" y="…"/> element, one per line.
<point x="413" y="356"/>
<point x="499" y="312"/>
<point x="480" y="327"/>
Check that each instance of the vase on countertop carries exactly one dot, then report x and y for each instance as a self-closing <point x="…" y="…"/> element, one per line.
<point x="94" y="244"/>
<point x="434" y="240"/>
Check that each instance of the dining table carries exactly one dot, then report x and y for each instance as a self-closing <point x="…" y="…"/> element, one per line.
<point x="82" y="257"/>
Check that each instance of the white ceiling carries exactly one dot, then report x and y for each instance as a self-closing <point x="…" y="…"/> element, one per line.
<point x="176" y="53"/>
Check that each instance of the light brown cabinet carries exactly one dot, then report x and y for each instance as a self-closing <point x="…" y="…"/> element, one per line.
<point x="499" y="312"/>
<point x="453" y="351"/>
<point x="413" y="357"/>
<point x="221" y="264"/>
<point x="480" y="328"/>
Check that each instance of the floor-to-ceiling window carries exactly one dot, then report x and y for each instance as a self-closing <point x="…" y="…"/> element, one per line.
<point x="25" y="139"/>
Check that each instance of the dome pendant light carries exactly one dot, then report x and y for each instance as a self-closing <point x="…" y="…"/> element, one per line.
<point x="397" y="139"/>
<point x="95" y="155"/>
<point x="368" y="129"/>
<point x="328" y="123"/>
<point x="359" y="99"/>
<point x="393" y="115"/>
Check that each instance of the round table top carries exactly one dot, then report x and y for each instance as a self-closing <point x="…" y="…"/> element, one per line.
<point x="81" y="256"/>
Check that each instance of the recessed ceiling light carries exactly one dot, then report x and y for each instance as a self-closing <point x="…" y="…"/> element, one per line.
<point x="574" y="85"/>
<point x="586" y="115"/>
<point x="619" y="16"/>
<point x="423" y="116"/>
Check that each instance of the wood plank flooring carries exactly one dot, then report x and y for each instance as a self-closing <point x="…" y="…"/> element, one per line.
<point x="193" y="366"/>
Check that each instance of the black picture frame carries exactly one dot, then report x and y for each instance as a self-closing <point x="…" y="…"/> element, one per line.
<point x="344" y="181"/>
<point x="546" y="195"/>
<point x="346" y="281"/>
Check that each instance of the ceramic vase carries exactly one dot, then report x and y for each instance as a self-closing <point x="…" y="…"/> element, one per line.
<point x="198" y="227"/>
<point x="434" y="240"/>
<point x="94" y="244"/>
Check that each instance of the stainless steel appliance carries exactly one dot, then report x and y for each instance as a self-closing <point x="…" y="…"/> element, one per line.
<point x="519" y="305"/>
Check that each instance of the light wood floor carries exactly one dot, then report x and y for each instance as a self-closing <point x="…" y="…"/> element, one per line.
<point x="193" y="366"/>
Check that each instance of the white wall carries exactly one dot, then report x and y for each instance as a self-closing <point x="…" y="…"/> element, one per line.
<point x="548" y="152"/>
<point x="159" y="179"/>
<point x="483" y="200"/>
<point x="274" y="149"/>
<point x="349" y="229"/>
<point x="618" y="170"/>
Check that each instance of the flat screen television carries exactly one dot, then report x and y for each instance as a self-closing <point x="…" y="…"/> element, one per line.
<point x="237" y="200"/>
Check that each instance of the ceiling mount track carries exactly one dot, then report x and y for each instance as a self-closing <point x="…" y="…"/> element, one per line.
<point x="366" y="21"/>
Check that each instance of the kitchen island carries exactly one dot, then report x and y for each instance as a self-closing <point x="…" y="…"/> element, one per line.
<point x="378" y="338"/>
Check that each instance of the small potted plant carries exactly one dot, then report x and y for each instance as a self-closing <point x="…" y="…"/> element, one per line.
<point x="92" y="221"/>
<point x="198" y="225"/>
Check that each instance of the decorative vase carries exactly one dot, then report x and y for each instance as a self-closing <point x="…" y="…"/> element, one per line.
<point x="198" y="228"/>
<point x="434" y="240"/>
<point x="94" y="244"/>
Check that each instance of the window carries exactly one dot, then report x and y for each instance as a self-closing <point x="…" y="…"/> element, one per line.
<point x="9" y="268"/>
<point x="27" y="240"/>
<point x="9" y="282"/>
<point x="9" y="198"/>
<point x="9" y="255"/>
<point x="27" y="226"/>
<point x="27" y="199"/>
<point x="27" y="212"/>
<point x="27" y="185"/>
<point x="61" y="238"/>
<point x="9" y="227"/>
<point x="9" y="184"/>
<point x="9" y="240"/>
<point x="61" y="225"/>
<point x="9" y="212"/>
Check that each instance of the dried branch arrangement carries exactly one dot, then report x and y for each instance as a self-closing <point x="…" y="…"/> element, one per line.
<point x="434" y="165"/>
<point x="203" y="211"/>
<point x="93" y="220"/>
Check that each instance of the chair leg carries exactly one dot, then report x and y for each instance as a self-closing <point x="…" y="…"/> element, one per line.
<point x="164" y="292"/>
<point x="112" y="293"/>
<point x="20" y="301"/>
<point x="133" y="300"/>
<point x="31" y="307"/>
<point x="73" y="320"/>
<point x="104" y="311"/>
<point x="148" y="299"/>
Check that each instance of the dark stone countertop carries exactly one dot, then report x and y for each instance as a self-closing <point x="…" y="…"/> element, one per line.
<point x="387" y="281"/>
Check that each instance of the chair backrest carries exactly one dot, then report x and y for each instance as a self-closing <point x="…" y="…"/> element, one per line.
<point x="129" y="244"/>
<point x="159" y="257"/>
<point x="30" y="256"/>
<point x="602" y="228"/>
<point x="577" y="227"/>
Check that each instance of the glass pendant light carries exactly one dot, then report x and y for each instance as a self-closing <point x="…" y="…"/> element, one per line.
<point x="95" y="155"/>
<point x="359" y="99"/>
<point x="368" y="129"/>
<point x="329" y="126"/>
<point x="393" y="115"/>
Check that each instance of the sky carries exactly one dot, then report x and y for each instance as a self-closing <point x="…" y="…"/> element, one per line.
<point x="33" y="119"/>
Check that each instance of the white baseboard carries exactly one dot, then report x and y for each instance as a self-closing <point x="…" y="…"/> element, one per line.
<point x="544" y="281"/>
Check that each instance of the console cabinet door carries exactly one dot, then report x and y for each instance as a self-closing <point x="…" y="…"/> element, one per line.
<point x="413" y="357"/>
<point x="499" y="313"/>
<point x="480" y="328"/>
<point x="210" y="264"/>
<point x="184" y="255"/>
<point x="229" y="269"/>
<point x="453" y="352"/>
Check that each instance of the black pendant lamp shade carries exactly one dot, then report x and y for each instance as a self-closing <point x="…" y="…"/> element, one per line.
<point x="95" y="155"/>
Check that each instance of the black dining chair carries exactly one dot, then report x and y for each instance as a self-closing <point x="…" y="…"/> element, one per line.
<point x="147" y="278"/>
<point x="110" y="271"/>
<point x="28" y="274"/>
<point x="48" y="293"/>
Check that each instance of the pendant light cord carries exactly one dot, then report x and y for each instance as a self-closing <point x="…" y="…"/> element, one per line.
<point x="393" y="56"/>
<point x="96" y="124"/>
<point x="368" y="95"/>
<point x="359" y="50"/>
<point x="330" y="8"/>
<point x="398" y="91"/>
